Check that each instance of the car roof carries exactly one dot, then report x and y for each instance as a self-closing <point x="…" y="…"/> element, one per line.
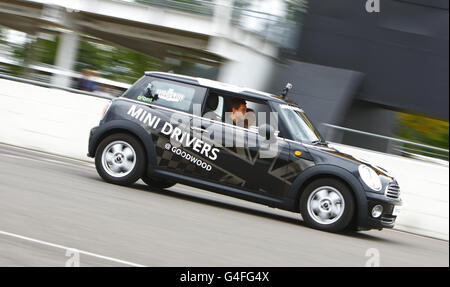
<point x="246" y="92"/>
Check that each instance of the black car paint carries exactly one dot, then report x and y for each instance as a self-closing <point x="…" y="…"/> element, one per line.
<point x="331" y="162"/>
<point x="315" y="161"/>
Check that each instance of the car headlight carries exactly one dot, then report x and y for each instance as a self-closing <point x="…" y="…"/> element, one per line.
<point x="370" y="177"/>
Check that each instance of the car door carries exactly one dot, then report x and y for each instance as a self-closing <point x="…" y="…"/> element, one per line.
<point x="245" y="159"/>
<point x="165" y="108"/>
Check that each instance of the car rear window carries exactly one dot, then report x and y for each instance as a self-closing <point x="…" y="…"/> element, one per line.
<point x="170" y="94"/>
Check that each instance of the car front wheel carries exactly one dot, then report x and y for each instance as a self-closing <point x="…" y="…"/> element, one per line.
<point x="327" y="204"/>
<point x="120" y="159"/>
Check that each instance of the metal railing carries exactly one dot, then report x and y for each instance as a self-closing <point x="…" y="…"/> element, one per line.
<point x="197" y="7"/>
<point x="401" y="149"/>
<point x="41" y="76"/>
<point x="437" y="152"/>
<point x="47" y="85"/>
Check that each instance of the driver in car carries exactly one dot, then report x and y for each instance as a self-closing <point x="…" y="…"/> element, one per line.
<point x="240" y="115"/>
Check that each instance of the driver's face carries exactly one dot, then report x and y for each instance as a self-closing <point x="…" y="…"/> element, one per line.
<point x="239" y="114"/>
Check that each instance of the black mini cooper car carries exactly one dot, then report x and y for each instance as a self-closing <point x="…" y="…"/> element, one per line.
<point x="169" y="129"/>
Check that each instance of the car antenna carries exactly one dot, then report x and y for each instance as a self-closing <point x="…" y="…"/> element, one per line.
<point x="286" y="90"/>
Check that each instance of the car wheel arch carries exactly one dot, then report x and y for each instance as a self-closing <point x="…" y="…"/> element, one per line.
<point x="329" y="171"/>
<point x="132" y="129"/>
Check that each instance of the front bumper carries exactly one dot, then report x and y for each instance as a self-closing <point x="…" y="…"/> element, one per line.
<point x="386" y="219"/>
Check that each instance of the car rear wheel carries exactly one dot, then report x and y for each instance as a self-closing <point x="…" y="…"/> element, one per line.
<point x="120" y="159"/>
<point x="158" y="182"/>
<point x="327" y="204"/>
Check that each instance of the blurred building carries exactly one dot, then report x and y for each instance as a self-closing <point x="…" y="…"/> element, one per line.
<point x="349" y="67"/>
<point x="355" y="69"/>
<point x="221" y="37"/>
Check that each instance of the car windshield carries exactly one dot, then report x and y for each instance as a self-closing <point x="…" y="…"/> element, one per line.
<point x="299" y="125"/>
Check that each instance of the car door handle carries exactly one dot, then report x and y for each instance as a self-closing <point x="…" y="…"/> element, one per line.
<point x="202" y="130"/>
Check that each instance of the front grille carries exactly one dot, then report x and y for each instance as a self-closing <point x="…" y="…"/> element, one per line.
<point x="393" y="190"/>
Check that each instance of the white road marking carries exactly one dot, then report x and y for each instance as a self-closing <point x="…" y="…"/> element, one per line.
<point x="72" y="249"/>
<point x="46" y="160"/>
<point x="43" y="155"/>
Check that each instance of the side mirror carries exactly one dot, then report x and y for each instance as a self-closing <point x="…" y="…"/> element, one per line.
<point x="267" y="132"/>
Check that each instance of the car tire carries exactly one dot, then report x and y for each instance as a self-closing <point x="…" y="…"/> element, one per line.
<point x="155" y="182"/>
<point x="327" y="204"/>
<point x="120" y="159"/>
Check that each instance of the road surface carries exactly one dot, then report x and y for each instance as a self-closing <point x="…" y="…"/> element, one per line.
<point x="50" y="204"/>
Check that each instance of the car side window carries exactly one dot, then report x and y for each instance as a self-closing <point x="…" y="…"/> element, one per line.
<point x="170" y="94"/>
<point x="251" y="113"/>
<point x="259" y="113"/>
<point x="247" y="113"/>
<point x="213" y="108"/>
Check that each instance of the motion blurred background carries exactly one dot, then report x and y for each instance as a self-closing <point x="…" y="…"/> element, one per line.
<point x="377" y="80"/>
